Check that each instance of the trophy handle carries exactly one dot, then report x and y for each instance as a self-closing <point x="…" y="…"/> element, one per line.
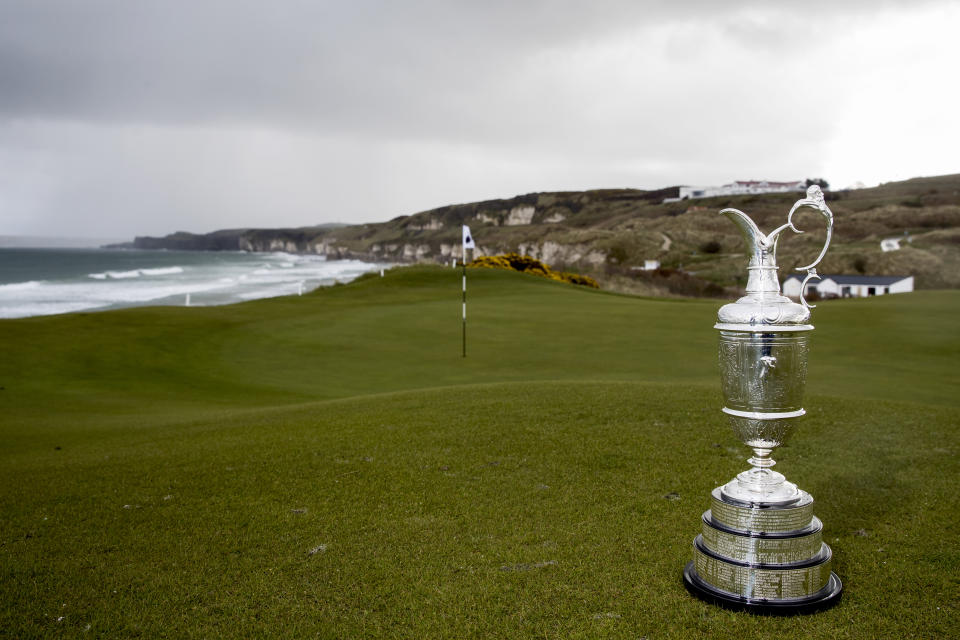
<point x="815" y="201"/>
<point x="811" y="273"/>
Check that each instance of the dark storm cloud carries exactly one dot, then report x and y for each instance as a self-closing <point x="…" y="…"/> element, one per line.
<point x="148" y="116"/>
<point x="379" y="65"/>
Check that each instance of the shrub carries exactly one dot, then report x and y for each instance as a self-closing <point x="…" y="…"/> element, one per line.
<point x="677" y="282"/>
<point x="526" y="264"/>
<point x="683" y="284"/>
<point x="710" y="247"/>
<point x="578" y="278"/>
<point x="617" y="254"/>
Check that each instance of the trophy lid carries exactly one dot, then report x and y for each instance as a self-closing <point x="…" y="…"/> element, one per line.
<point x="764" y="313"/>
<point x="764" y="308"/>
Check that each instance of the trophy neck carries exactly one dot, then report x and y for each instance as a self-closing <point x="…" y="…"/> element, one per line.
<point x="762" y="281"/>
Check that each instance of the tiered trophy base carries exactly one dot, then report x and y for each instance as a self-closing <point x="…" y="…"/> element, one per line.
<point x="825" y="599"/>
<point x="762" y="558"/>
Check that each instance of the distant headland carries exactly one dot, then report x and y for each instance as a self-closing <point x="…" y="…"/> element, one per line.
<point x="643" y="241"/>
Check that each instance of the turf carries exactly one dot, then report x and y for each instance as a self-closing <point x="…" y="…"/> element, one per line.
<point x="329" y="465"/>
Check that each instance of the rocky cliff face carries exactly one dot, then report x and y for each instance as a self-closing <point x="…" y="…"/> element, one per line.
<point x="532" y="224"/>
<point x="613" y="233"/>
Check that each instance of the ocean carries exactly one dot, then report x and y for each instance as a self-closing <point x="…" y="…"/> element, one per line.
<point x="35" y="282"/>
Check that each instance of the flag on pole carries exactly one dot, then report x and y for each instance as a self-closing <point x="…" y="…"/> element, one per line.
<point x="468" y="238"/>
<point x="467" y="244"/>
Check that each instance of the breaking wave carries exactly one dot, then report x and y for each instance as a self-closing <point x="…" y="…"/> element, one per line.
<point x="20" y="286"/>
<point x="136" y="273"/>
<point x="208" y="278"/>
<point x="161" y="271"/>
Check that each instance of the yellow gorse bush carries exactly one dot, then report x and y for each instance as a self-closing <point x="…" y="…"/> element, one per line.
<point x="526" y="264"/>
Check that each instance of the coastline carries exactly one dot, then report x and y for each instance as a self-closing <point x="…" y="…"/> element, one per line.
<point x="48" y="281"/>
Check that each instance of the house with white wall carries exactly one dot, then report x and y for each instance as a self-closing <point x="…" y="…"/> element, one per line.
<point x="740" y="187"/>
<point x="840" y="286"/>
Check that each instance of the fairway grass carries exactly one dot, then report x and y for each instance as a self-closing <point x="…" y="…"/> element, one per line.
<point x="329" y="465"/>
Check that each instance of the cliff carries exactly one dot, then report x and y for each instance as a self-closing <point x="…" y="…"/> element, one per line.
<point x="611" y="233"/>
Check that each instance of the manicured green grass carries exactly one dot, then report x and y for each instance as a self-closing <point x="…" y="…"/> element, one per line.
<point x="329" y="465"/>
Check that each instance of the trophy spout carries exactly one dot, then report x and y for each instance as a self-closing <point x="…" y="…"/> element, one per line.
<point x="753" y="239"/>
<point x="762" y="280"/>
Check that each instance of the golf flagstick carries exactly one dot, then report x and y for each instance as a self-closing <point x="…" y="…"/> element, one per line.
<point x="466" y="244"/>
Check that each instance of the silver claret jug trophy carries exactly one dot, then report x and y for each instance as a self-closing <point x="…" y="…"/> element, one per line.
<point x="760" y="547"/>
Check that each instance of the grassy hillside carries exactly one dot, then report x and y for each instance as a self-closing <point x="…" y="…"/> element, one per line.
<point x="329" y="465"/>
<point x="606" y="233"/>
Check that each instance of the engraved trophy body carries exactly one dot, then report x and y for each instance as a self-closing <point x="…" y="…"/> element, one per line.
<point x="760" y="546"/>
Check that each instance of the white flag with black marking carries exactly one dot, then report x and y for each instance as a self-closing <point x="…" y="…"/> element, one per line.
<point x="468" y="238"/>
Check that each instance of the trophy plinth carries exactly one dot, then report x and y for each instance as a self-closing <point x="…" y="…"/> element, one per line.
<point x="760" y="547"/>
<point x="762" y="557"/>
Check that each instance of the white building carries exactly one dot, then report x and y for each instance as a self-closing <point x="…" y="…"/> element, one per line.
<point x="836" y="286"/>
<point x="741" y="187"/>
<point x="890" y="244"/>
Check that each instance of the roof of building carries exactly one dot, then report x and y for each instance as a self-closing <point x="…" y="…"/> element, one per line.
<point x="842" y="279"/>
<point x="770" y="183"/>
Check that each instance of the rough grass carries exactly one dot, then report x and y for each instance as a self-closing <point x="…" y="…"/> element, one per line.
<point x="329" y="465"/>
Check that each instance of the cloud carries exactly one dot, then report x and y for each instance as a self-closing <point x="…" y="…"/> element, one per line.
<point x="144" y="117"/>
<point x="327" y="64"/>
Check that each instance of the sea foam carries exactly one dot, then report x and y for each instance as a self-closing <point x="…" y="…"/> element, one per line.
<point x="161" y="271"/>
<point x="122" y="275"/>
<point x="136" y="273"/>
<point x="20" y="286"/>
<point x="221" y="279"/>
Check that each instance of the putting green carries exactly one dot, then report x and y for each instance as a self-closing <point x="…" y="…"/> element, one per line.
<point x="330" y="465"/>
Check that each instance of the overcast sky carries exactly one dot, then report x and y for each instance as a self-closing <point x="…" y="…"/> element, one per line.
<point x="124" y="117"/>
